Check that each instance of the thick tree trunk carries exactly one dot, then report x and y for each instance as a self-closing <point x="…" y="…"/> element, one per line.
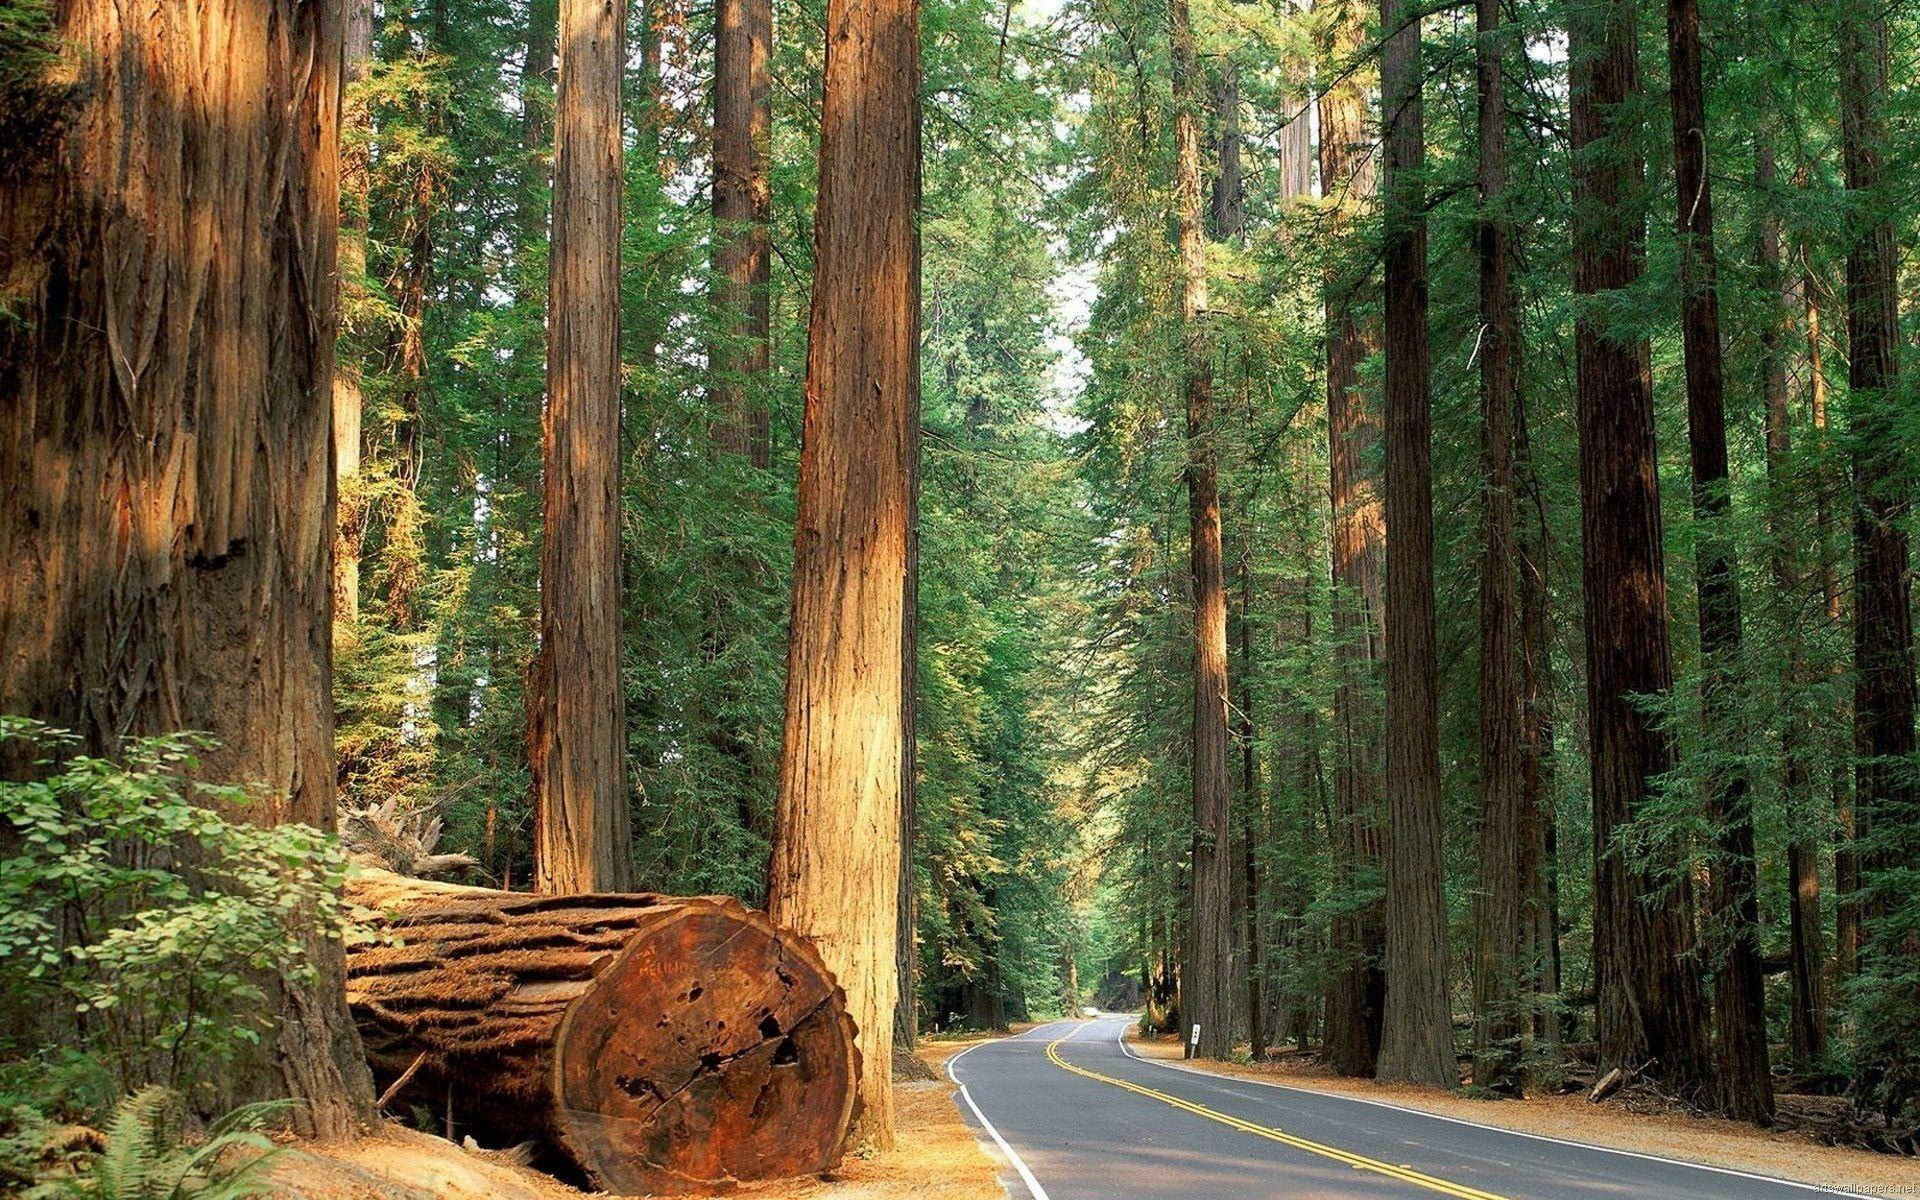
<point x="1807" y="1025"/>
<point x="1206" y="999"/>
<point x="517" y="1013"/>
<point x="1357" y="992"/>
<point x="1739" y="995"/>
<point x="1416" y="1043"/>
<point x="166" y="387"/>
<point x="576" y="735"/>
<point x="1500" y="958"/>
<point x="1650" y="1008"/>
<point x="1885" y="791"/>
<point x="742" y="124"/>
<point x="835" y="874"/>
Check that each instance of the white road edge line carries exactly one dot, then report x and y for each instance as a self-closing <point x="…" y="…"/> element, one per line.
<point x="1536" y="1137"/>
<point x="1019" y="1164"/>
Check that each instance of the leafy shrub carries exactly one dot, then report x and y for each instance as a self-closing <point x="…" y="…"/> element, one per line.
<point x="142" y="919"/>
<point x="148" y="1156"/>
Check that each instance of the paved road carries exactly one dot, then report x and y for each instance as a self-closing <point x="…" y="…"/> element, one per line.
<point x="1076" y="1116"/>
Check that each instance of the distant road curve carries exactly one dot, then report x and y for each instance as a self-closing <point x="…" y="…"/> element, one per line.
<point x="1076" y="1115"/>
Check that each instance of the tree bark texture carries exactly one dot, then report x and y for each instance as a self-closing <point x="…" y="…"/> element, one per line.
<point x="1739" y="995"/>
<point x="1416" y="1043"/>
<point x="660" y="1043"/>
<point x="1228" y="209"/>
<point x="1650" y="1008"/>
<point x="836" y="844"/>
<point x="1205" y="985"/>
<point x="1885" y="791"/>
<point x="742" y="124"/>
<point x="1500" y="959"/>
<point x="576" y="735"/>
<point x="1357" y="993"/>
<point x="166" y="390"/>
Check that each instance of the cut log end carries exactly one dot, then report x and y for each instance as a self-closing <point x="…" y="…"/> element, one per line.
<point x="736" y="1069"/>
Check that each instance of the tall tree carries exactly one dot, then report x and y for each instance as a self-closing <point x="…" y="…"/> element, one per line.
<point x="1416" y="1042"/>
<point x="742" y="124"/>
<point x="1649" y="1008"/>
<point x="836" y="841"/>
<point x="1499" y="949"/>
<point x="576" y="722"/>
<point x="1806" y="938"/>
<point x="1885" y="791"/>
<point x="1739" y="996"/>
<point x="348" y="401"/>
<point x="1357" y="991"/>
<point x="165" y="401"/>
<point x="1205" y="998"/>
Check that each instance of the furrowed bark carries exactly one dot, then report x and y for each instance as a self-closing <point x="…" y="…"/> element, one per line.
<point x="1205" y="986"/>
<point x="1650" y="1006"/>
<point x="1500" y="961"/>
<point x="167" y="504"/>
<point x="835" y="873"/>
<point x="1416" y="1043"/>
<point x="1357" y="992"/>
<point x="1739" y="997"/>
<point x="576" y="737"/>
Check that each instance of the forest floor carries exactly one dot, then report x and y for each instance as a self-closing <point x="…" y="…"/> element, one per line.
<point x="936" y="1157"/>
<point x="1713" y="1141"/>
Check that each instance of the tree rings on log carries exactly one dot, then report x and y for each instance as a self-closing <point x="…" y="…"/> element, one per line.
<point x="659" y="1043"/>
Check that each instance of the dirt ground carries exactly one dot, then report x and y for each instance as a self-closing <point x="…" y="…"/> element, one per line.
<point x="1695" y="1139"/>
<point x="936" y="1158"/>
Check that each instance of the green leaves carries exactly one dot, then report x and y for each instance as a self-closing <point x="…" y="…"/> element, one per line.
<point x="134" y="902"/>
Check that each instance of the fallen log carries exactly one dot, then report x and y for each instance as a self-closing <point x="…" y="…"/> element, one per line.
<point x="658" y="1043"/>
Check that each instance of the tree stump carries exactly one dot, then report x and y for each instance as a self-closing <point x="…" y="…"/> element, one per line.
<point x="658" y="1043"/>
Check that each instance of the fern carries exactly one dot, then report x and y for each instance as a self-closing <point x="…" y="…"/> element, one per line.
<point x="146" y="1156"/>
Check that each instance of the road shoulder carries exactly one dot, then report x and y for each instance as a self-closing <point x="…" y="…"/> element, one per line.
<point x="1711" y="1142"/>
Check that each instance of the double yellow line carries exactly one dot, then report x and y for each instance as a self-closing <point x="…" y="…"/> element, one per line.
<point x="1356" y="1161"/>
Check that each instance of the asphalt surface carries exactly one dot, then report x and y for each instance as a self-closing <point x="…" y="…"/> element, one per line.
<point x="1074" y="1115"/>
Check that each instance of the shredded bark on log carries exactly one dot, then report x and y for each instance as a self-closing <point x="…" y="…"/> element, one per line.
<point x="659" y="1043"/>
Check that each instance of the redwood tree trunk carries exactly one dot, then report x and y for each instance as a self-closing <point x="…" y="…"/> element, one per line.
<point x="1650" y="1006"/>
<point x="1885" y="792"/>
<point x="576" y="728"/>
<point x="356" y="54"/>
<point x="166" y="386"/>
<point x="836" y="841"/>
<point x="1500" y="959"/>
<point x="1205" y="994"/>
<point x="1416" y="1043"/>
<point x="1739" y="996"/>
<point x="742" y="122"/>
<point x="1357" y="992"/>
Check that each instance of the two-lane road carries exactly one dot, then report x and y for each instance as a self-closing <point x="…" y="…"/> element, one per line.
<point x="1077" y="1116"/>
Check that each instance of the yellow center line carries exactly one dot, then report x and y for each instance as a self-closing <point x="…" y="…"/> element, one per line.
<point x="1357" y="1161"/>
